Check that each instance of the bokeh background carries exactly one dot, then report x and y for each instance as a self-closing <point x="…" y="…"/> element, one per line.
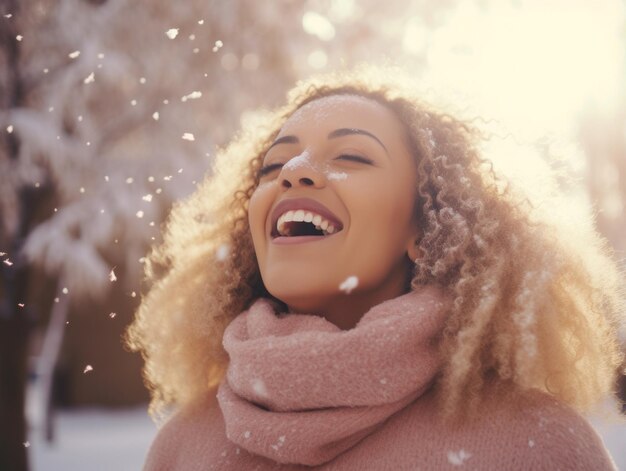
<point x="111" y="110"/>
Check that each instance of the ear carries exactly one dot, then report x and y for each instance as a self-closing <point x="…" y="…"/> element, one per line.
<point x="413" y="251"/>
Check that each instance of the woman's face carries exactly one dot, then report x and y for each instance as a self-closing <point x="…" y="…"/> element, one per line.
<point x="333" y="219"/>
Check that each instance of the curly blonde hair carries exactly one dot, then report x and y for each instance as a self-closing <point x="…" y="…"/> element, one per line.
<point x="533" y="306"/>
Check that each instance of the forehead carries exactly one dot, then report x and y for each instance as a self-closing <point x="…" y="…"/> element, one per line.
<point x="351" y="111"/>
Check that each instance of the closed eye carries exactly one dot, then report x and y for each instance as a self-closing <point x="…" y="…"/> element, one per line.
<point x="355" y="158"/>
<point x="267" y="169"/>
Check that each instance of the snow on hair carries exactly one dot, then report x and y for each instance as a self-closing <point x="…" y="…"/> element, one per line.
<point x="531" y="307"/>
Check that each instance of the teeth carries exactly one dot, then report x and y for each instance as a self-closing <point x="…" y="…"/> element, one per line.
<point x="301" y="215"/>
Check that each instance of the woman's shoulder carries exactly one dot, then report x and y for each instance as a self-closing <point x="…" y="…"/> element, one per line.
<point x="511" y="429"/>
<point x="557" y="436"/>
<point x="541" y="432"/>
<point x="189" y="432"/>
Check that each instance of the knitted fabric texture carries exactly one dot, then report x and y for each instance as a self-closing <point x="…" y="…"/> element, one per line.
<point x="299" y="390"/>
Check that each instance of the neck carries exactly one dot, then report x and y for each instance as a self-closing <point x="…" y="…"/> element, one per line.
<point x="346" y="310"/>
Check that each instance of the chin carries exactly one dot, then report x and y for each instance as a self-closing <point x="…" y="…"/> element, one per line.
<point x="299" y="301"/>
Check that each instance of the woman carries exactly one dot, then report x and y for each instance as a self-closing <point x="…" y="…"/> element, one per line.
<point x="354" y="288"/>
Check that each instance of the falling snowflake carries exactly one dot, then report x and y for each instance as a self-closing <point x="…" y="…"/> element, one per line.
<point x="129" y="180"/>
<point x="65" y="290"/>
<point x="20" y="304"/>
<point x="19" y="37"/>
<point x="218" y="45"/>
<point x="200" y="22"/>
<point x="2" y="254"/>
<point x="8" y="262"/>
<point x="349" y="284"/>
<point x="155" y="115"/>
<point x="10" y="128"/>
<point x="246" y="434"/>
<point x="142" y="80"/>
<point x="26" y="444"/>
<point x="192" y="96"/>
<point x="133" y="295"/>
<point x="112" y="315"/>
<point x="259" y="387"/>
<point x="139" y="214"/>
<point x="89" y="79"/>
<point x="188" y="136"/>
<point x="147" y="197"/>
<point x="74" y="55"/>
<point x="106" y="178"/>
<point x="87" y="369"/>
<point x="112" y="276"/>
<point x="167" y="178"/>
<point x="458" y="458"/>
<point x="172" y="33"/>
<point x="133" y="102"/>
<point x="222" y="252"/>
<point x="9" y="15"/>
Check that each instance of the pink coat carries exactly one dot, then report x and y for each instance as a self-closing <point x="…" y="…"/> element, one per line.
<point x="531" y="432"/>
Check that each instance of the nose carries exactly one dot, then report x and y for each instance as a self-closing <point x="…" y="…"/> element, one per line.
<point x="302" y="171"/>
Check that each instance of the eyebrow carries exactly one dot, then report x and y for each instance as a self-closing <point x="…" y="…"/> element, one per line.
<point x="332" y="135"/>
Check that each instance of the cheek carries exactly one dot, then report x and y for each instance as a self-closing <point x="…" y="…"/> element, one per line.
<point x="382" y="217"/>
<point x="258" y="209"/>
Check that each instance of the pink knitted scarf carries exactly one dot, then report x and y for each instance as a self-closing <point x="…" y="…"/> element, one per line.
<point x="300" y="390"/>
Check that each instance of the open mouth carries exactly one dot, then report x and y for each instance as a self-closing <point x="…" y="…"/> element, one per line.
<point x="299" y="222"/>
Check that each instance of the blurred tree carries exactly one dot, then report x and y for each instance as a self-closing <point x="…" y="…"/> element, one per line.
<point x="15" y="323"/>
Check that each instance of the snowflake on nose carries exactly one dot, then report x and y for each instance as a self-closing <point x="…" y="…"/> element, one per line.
<point x="298" y="161"/>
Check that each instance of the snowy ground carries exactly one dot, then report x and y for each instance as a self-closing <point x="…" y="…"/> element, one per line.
<point x="94" y="440"/>
<point x="613" y="434"/>
<point x="105" y="440"/>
